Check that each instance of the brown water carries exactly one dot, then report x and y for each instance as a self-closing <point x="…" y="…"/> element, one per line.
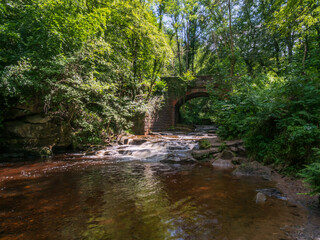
<point x="76" y="197"/>
<point x="136" y="200"/>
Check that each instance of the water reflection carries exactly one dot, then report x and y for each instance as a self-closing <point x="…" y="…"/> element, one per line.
<point x="136" y="200"/>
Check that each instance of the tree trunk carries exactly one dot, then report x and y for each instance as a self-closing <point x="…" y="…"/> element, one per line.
<point x="179" y="53"/>
<point x="231" y="41"/>
<point x="277" y="50"/>
<point x="290" y="46"/>
<point x="187" y="46"/>
<point x="305" y="51"/>
<point x="216" y="46"/>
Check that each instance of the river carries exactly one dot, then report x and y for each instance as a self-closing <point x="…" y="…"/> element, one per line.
<point x="145" y="189"/>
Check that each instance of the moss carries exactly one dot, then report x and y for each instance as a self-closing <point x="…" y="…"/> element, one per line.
<point x="204" y="144"/>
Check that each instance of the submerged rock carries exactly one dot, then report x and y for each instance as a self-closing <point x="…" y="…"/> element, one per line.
<point x="253" y="169"/>
<point x="272" y="192"/>
<point x="260" y="198"/>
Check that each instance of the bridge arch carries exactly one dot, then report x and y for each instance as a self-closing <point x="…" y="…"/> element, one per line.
<point x="168" y="116"/>
<point x="177" y="103"/>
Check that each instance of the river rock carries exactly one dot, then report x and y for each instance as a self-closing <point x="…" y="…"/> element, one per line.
<point x="137" y="141"/>
<point x="234" y="149"/>
<point x="260" y="198"/>
<point x="272" y="192"/>
<point x="241" y="151"/>
<point x="200" y="154"/>
<point x="226" y="154"/>
<point x="239" y="160"/>
<point x="214" y="141"/>
<point x="221" y="163"/>
<point x="123" y="140"/>
<point x="253" y="169"/>
<point x="234" y="142"/>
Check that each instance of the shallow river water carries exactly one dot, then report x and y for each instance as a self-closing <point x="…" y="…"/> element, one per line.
<point x="107" y="196"/>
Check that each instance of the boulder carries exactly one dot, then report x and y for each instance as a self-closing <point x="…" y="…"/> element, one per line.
<point x="34" y="134"/>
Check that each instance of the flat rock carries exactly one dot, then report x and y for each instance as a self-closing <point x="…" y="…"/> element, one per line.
<point x="234" y="142"/>
<point x="137" y="141"/>
<point x="221" y="163"/>
<point x="214" y="141"/>
<point x="199" y="154"/>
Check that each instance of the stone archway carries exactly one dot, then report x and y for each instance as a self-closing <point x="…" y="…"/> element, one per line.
<point x="177" y="103"/>
<point x="167" y="117"/>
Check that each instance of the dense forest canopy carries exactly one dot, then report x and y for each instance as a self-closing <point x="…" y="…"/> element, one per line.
<point x="96" y="64"/>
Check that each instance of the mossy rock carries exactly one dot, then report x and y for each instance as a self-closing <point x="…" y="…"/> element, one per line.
<point x="204" y="144"/>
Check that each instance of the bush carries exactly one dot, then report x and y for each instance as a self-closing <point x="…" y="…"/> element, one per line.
<point x="311" y="174"/>
<point x="160" y="88"/>
<point x="76" y="61"/>
<point x="278" y="118"/>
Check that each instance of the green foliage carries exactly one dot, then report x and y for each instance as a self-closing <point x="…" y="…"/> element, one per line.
<point x="277" y="117"/>
<point x="160" y="88"/>
<point x="196" y="111"/>
<point x="171" y="128"/>
<point x="204" y="144"/>
<point x="311" y="174"/>
<point x="90" y="64"/>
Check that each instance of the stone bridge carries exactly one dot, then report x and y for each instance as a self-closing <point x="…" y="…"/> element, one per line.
<point x="169" y="115"/>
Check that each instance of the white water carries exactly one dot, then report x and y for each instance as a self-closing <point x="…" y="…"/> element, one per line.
<point x="167" y="146"/>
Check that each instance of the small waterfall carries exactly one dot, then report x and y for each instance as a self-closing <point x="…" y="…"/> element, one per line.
<point x="174" y="147"/>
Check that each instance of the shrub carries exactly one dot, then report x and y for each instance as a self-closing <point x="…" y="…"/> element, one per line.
<point x="311" y="174"/>
<point x="278" y="118"/>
